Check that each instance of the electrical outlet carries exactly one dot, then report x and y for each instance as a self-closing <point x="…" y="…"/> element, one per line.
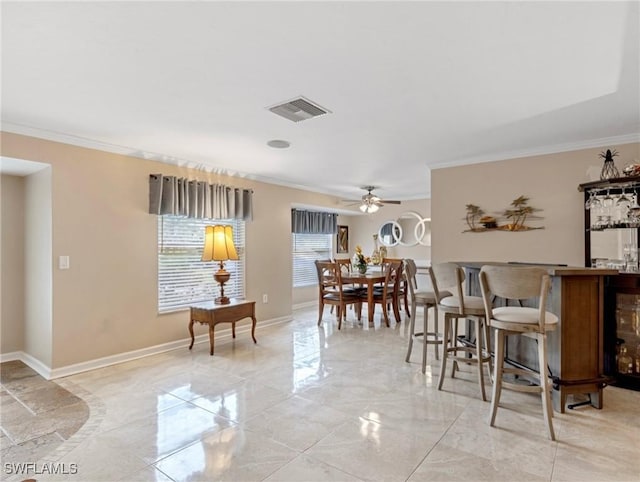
<point x="265" y="298"/>
<point x="63" y="262"/>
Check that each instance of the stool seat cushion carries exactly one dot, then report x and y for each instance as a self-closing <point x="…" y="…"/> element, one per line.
<point x="424" y="296"/>
<point x="519" y="314"/>
<point x="470" y="302"/>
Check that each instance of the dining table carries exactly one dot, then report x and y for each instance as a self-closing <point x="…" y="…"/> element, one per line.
<point x="370" y="279"/>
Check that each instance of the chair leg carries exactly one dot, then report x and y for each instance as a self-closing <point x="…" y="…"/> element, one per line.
<point x="453" y="337"/>
<point x="544" y="383"/>
<point x="321" y="311"/>
<point x="487" y="341"/>
<point x="385" y="313"/>
<point x="436" y="321"/>
<point x="425" y="341"/>
<point x="406" y="304"/>
<point x="445" y="350"/>
<point x="412" y="322"/>
<point x="497" y="377"/>
<point x="478" y="323"/>
<point x="396" y="309"/>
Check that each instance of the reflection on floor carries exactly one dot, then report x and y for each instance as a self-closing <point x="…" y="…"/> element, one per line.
<point x="306" y="403"/>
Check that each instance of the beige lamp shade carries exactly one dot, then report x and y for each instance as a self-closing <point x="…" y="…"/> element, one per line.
<point x="218" y="244"/>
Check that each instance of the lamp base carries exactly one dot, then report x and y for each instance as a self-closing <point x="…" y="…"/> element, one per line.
<point x="222" y="276"/>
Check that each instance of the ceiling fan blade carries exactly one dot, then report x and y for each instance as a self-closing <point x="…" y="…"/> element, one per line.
<point x="352" y="201"/>
<point x="386" y="201"/>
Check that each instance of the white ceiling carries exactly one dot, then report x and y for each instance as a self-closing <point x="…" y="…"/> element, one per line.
<point x="411" y="85"/>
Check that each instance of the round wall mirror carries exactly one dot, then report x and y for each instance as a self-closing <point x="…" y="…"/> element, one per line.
<point x="423" y="232"/>
<point x="413" y="228"/>
<point x="410" y="229"/>
<point x="390" y="233"/>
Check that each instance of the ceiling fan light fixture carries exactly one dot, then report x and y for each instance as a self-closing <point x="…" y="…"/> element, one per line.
<point x="369" y="208"/>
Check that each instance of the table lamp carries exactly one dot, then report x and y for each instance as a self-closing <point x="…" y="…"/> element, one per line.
<point x="218" y="246"/>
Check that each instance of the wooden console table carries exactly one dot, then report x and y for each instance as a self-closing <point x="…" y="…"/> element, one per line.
<point x="211" y="314"/>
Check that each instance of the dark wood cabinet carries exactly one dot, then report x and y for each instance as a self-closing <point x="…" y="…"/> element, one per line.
<point x="621" y="316"/>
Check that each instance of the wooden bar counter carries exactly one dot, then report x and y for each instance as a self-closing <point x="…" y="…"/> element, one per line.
<point x="575" y="348"/>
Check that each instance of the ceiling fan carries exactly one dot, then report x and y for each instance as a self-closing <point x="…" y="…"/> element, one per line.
<point x="370" y="203"/>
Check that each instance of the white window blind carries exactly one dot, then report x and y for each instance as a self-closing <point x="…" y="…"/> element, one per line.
<point x="306" y="249"/>
<point x="184" y="279"/>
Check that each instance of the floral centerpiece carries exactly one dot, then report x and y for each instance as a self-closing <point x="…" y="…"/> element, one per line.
<point x="360" y="261"/>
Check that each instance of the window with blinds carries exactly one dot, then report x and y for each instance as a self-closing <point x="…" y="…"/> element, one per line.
<point x="184" y="279"/>
<point x="306" y="249"/>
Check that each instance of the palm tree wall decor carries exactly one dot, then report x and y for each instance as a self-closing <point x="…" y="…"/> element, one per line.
<point x="516" y="216"/>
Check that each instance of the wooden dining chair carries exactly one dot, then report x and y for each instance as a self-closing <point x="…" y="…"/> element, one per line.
<point x="519" y="283"/>
<point x="331" y="291"/>
<point x="403" y="290"/>
<point x="388" y="293"/>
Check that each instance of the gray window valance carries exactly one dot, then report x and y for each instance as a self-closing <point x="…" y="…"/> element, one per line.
<point x="198" y="199"/>
<point x="313" y="222"/>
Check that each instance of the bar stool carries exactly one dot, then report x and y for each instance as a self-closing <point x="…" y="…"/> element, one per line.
<point x="426" y="299"/>
<point x="450" y="277"/>
<point x="519" y="283"/>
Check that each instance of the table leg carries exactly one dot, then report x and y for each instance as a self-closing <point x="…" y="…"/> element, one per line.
<point x="211" y="337"/>
<point x="253" y="329"/>
<point x="191" y="331"/>
<point x="370" y="303"/>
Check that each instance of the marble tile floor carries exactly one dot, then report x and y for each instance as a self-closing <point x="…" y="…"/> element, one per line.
<point x="310" y="403"/>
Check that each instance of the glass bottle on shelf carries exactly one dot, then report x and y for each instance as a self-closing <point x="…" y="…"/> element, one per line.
<point x="637" y="360"/>
<point x="625" y="362"/>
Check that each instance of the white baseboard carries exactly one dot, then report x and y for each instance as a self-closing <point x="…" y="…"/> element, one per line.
<point x="306" y="304"/>
<point x="42" y="369"/>
<point x="14" y="355"/>
<point x="49" y="374"/>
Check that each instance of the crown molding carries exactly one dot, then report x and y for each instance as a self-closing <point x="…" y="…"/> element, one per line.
<point x="540" y="151"/>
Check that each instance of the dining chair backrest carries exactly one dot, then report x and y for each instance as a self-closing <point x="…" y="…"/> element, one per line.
<point x="319" y="272"/>
<point x="328" y="275"/>
<point x="393" y="275"/>
<point x="447" y="279"/>
<point x="515" y="283"/>
<point x="344" y="264"/>
<point x="386" y="261"/>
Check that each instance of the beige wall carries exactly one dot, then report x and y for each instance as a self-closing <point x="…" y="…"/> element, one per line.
<point x="106" y="304"/>
<point x="12" y="201"/>
<point x="550" y="181"/>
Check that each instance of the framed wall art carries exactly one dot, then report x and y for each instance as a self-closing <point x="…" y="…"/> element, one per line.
<point x="342" y="243"/>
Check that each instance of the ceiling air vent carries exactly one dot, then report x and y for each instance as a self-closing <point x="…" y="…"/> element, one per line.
<point x="298" y="109"/>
